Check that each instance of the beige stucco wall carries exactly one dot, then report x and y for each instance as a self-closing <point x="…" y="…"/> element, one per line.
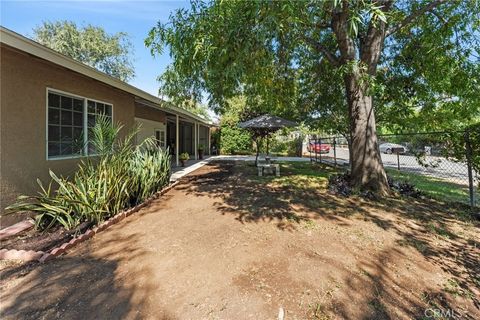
<point x="23" y="83"/>
<point x="147" y="129"/>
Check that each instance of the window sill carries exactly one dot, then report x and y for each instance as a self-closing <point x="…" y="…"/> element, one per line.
<point x="65" y="157"/>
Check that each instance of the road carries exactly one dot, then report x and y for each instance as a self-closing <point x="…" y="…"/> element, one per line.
<point x="438" y="167"/>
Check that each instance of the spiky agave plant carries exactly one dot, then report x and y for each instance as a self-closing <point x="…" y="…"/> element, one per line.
<point x="149" y="169"/>
<point x="121" y="174"/>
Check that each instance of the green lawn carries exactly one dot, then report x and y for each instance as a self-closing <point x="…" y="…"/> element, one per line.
<point x="300" y="175"/>
<point x="434" y="187"/>
<point x="311" y="175"/>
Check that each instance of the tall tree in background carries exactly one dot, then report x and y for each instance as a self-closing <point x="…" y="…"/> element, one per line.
<point x="276" y="52"/>
<point x="110" y="53"/>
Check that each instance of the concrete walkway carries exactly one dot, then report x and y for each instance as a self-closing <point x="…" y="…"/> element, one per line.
<point x="252" y="158"/>
<point x="192" y="165"/>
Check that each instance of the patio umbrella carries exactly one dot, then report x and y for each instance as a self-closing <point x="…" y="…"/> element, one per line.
<point x="267" y="122"/>
<point x="264" y="125"/>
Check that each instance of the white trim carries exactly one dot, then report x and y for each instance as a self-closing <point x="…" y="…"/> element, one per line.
<point x="155" y="130"/>
<point x="85" y="122"/>
<point x="100" y="101"/>
<point x="177" y="137"/>
<point x="209" y="142"/>
<point x="195" y="136"/>
<point x="24" y="44"/>
<point x="85" y="126"/>
<point x="46" y="123"/>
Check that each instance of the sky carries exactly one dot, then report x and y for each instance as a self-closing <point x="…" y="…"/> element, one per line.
<point x="134" y="17"/>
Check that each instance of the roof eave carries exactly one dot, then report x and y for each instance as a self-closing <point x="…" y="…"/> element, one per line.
<point x="24" y="44"/>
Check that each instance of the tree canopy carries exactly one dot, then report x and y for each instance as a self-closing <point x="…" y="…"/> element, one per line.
<point x="92" y="45"/>
<point x="411" y="64"/>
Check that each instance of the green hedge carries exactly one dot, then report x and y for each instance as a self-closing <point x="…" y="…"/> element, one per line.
<point x="234" y="140"/>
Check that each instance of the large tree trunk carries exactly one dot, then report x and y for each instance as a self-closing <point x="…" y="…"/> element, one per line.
<point x="367" y="170"/>
<point x="360" y="55"/>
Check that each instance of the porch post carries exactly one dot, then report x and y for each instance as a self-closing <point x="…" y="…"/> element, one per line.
<point x="208" y="137"/>
<point x="195" y="127"/>
<point x="177" y="144"/>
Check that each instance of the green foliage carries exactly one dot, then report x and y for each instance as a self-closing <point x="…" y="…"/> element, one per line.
<point x="429" y="78"/>
<point x="215" y="136"/>
<point x="277" y="55"/>
<point x="234" y="140"/>
<point x="122" y="175"/>
<point x="474" y="141"/>
<point x="184" y="156"/>
<point x="91" y="45"/>
<point x="433" y="187"/>
<point x="283" y="144"/>
<point x="457" y="147"/>
<point x="329" y="62"/>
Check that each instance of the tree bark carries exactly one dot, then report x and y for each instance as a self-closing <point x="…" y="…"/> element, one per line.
<point x="367" y="172"/>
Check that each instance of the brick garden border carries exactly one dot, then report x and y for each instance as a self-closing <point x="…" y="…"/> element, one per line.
<point x="41" y="256"/>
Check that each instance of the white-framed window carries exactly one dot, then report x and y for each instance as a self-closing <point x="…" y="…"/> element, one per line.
<point x="69" y="119"/>
<point x="94" y="110"/>
<point x="160" y="138"/>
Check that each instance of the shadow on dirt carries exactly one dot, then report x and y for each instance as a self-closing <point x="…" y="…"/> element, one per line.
<point x="421" y="224"/>
<point x="76" y="287"/>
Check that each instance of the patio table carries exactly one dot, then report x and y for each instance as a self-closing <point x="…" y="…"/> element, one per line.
<point x="268" y="168"/>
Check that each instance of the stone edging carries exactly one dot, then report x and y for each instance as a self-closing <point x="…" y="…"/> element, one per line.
<point x="30" y="255"/>
<point x="16" y="229"/>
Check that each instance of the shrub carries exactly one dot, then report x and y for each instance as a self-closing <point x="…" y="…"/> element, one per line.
<point x="184" y="156"/>
<point x="122" y="175"/>
<point x="290" y="147"/>
<point x="234" y="140"/>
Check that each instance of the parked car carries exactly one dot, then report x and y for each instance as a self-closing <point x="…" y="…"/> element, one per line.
<point x="318" y="147"/>
<point x="390" y="148"/>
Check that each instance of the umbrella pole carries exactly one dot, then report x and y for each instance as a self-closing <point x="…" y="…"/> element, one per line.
<point x="258" y="151"/>
<point x="268" y="139"/>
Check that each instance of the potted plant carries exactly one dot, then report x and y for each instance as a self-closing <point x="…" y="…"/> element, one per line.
<point x="200" y="151"/>
<point x="183" y="157"/>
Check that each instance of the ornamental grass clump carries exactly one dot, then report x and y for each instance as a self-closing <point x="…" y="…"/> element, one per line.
<point x="119" y="176"/>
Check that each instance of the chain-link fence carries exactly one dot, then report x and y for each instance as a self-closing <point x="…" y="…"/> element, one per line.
<point x="433" y="162"/>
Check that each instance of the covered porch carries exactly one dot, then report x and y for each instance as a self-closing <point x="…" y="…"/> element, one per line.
<point x="186" y="135"/>
<point x="174" y="128"/>
<point x="192" y="165"/>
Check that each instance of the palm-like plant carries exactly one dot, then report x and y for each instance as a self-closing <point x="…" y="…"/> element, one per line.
<point x="121" y="175"/>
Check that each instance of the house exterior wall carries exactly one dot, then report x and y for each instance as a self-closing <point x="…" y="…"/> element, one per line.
<point x="24" y="80"/>
<point x="150" y="113"/>
<point x="148" y="128"/>
<point x="150" y="120"/>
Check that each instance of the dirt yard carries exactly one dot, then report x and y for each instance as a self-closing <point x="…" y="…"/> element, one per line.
<point x="225" y="244"/>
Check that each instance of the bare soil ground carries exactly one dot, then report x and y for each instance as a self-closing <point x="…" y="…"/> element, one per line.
<point x="225" y="244"/>
<point x="42" y="241"/>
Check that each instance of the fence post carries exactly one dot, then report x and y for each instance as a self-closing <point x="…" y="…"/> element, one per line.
<point x="335" y="151"/>
<point x="309" y="148"/>
<point x="320" y="149"/>
<point x="468" y="153"/>
<point x="398" y="160"/>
